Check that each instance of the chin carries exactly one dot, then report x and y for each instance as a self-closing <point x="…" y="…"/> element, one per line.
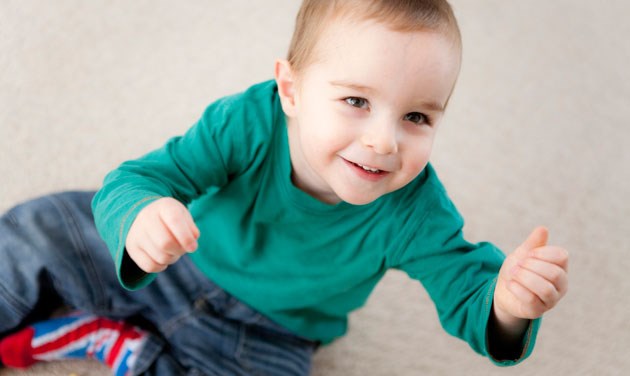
<point x="359" y="199"/>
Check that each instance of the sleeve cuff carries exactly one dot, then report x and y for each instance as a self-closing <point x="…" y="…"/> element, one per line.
<point x="529" y="339"/>
<point x="131" y="277"/>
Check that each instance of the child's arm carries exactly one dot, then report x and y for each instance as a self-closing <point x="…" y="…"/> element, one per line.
<point x="228" y="140"/>
<point x="531" y="281"/>
<point x="184" y="168"/>
<point x="468" y="282"/>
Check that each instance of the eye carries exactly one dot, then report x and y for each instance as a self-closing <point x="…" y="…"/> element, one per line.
<point x="356" y="102"/>
<point x="417" y="118"/>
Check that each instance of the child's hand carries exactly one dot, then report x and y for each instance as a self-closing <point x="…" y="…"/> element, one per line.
<point x="531" y="281"/>
<point x="161" y="233"/>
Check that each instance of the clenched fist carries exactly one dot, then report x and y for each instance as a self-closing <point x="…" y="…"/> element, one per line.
<point x="162" y="232"/>
<point x="531" y="281"/>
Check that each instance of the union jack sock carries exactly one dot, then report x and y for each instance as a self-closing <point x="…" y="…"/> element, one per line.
<point x="113" y="343"/>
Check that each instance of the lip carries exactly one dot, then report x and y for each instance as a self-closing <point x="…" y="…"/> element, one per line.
<point x="363" y="174"/>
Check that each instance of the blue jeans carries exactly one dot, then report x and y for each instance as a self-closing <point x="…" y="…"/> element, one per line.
<point x="51" y="255"/>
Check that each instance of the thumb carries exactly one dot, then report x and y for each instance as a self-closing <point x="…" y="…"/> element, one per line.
<point x="537" y="238"/>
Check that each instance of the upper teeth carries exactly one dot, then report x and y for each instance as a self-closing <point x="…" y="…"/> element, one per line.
<point x="369" y="168"/>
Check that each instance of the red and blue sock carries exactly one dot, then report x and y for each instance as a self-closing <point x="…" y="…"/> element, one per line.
<point x="113" y="343"/>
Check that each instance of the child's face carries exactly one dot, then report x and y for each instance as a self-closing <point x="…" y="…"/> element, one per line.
<point x="364" y="113"/>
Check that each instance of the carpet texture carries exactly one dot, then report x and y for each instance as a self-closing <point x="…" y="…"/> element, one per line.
<point x="537" y="133"/>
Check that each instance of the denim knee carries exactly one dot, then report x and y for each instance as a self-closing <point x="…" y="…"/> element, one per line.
<point x="45" y="247"/>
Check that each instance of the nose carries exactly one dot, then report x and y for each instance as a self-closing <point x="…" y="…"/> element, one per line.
<point x="380" y="137"/>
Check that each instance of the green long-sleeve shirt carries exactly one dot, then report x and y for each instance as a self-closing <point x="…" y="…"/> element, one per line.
<point x="303" y="263"/>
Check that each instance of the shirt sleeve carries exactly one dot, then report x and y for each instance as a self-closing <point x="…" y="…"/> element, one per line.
<point x="460" y="277"/>
<point x="206" y="156"/>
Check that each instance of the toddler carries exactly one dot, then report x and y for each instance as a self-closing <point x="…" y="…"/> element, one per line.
<point x="244" y="244"/>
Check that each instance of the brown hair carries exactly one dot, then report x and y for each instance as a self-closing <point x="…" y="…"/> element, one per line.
<point x="399" y="15"/>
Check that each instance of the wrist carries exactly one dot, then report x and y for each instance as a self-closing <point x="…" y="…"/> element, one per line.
<point x="507" y="324"/>
<point x="505" y="334"/>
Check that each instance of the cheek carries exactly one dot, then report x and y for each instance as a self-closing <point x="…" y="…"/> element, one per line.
<point x="324" y="131"/>
<point x="417" y="157"/>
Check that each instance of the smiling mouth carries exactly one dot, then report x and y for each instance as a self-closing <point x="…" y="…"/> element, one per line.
<point x="370" y="173"/>
<point x="368" y="169"/>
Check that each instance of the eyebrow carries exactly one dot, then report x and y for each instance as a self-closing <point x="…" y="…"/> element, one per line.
<point x="351" y="85"/>
<point x="432" y="106"/>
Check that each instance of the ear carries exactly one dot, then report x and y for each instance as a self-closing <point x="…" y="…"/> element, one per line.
<point x="285" y="80"/>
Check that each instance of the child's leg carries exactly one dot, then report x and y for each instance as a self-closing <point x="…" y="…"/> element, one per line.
<point x="50" y="246"/>
<point x="221" y="335"/>
<point x="45" y="260"/>
<point x="113" y="343"/>
<point x="52" y="256"/>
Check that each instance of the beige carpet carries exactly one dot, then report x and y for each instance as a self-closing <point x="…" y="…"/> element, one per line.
<point x="537" y="133"/>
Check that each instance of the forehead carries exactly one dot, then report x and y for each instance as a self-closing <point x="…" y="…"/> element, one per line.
<point x="371" y="54"/>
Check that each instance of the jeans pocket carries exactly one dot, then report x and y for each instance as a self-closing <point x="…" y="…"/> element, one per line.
<point x="239" y="312"/>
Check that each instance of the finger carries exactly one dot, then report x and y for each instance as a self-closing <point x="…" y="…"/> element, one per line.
<point x="531" y="306"/>
<point x="537" y="238"/>
<point x="142" y="259"/>
<point x="554" y="255"/>
<point x="181" y="227"/>
<point x="160" y="246"/>
<point x="159" y="238"/>
<point x="190" y="224"/>
<point x="544" y="290"/>
<point x="549" y="271"/>
<point x="160" y="257"/>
